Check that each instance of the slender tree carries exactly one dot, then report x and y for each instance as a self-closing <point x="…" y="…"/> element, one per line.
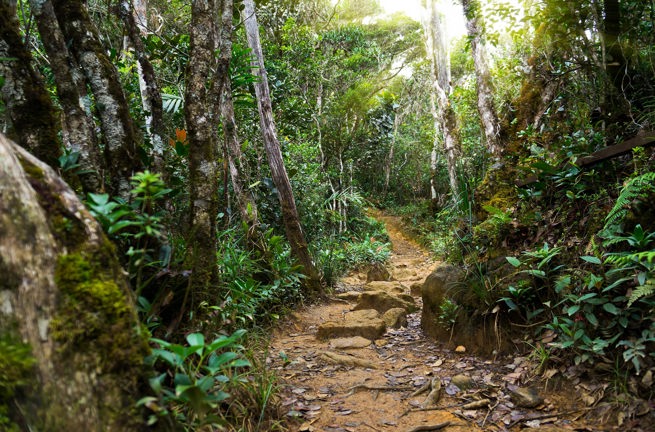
<point x="486" y="109"/>
<point x="134" y="16"/>
<point x="292" y="225"/>
<point x="29" y="109"/>
<point x="445" y="121"/>
<point x="245" y="201"/>
<point x="78" y="128"/>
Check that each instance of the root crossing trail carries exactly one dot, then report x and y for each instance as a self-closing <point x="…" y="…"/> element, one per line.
<point x="358" y="384"/>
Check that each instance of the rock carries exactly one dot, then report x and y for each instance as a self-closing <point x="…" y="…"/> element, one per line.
<point x="349" y="295"/>
<point x="395" y="318"/>
<point x="415" y="289"/>
<point x="364" y="323"/>
<point x="433" y="292"/>
<point x="387" y="286"/>
<point x="404" y="273"/>
<point x="526" y="397"/>
<point x="382" y="301"/>
<point x="347" y="360"/>
<point x="350" y="343"/>
<point x="463" y="382"/>
<point x="377" y="272"/>
<point x="461" y="349"/>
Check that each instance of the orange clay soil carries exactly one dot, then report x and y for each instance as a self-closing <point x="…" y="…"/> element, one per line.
<point x="322" y="396"/>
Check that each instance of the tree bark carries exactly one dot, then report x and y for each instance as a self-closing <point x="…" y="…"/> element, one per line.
<point x="119" y="135"/>
<point x="292" y="225"/>
<point x="134" y="17"/>
<point x="65" y="295"/>
<point x="486" y="109"/>
<point x="444" y="116"/>
<point x="29" y="108"/>
<point x="204" y="173"/>
<point x="78" y="130"/>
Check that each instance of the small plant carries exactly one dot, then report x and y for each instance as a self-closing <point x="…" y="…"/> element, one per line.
<point x="196" y="378"/>
<point x="448" y="311"/>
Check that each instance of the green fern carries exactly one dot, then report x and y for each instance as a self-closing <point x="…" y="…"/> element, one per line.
<point x="636" y="188"/>
<point x="645" y="290"/>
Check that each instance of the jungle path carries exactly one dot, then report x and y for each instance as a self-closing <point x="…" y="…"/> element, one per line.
<point x="362" y="385"/>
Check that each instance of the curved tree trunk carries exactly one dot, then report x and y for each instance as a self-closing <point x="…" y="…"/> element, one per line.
<point x="29" y="108"/>
<point x="119" y="135"/>
<point x="65" y="295"/>
<point x="486" y="109"/>
<point x="133" y="14"/>
<point x="292" y="226"/>
<point x="78" y="131"/>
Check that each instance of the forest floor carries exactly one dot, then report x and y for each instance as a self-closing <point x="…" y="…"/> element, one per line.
<point x="379" y="394"/>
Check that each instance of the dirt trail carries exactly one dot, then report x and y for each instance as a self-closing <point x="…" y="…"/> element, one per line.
<point x="337" y="398"/>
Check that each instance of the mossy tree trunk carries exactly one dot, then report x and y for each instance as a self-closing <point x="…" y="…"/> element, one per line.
<point x="64" y="293"/>
<point x="290" y="216"/>
<point x="28" y="106"/>
<point x="202" y="119"/>
<point x="78" y="129"/>
<point x="120" y="139"/>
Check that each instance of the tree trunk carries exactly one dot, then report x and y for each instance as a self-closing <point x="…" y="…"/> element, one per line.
<point x="29" y="108"/>
<point x="292" y="226"/>
<point x="204" y="174"/>
<point x="78" y="131"/>
<point x="134" y="17"/>
<point x="65" y="296"/>
<point x="486" y="109"/>
<point x="119" y="135"/>
<point x="443" y="112"/>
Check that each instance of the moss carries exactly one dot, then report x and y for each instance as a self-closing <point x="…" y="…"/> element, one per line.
<point x="16" y="372"/>
<point x="67" y="229"/>
<point x="95" y="314"/>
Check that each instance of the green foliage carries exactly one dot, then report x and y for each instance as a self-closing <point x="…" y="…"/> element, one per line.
<point x="196" y="378"/>
<point x="636" y="188"/>
<point x="16" y="363"/>
<point x="448" y="311"/>
<point x="257" y="285"/>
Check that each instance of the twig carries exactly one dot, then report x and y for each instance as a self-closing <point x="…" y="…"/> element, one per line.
<point x="353" y="389"/>
<point x="543" y="416"/>
<point x="430" y="427"/>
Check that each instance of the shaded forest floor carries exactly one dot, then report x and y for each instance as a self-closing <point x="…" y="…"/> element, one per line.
<point x="321" y="392"/>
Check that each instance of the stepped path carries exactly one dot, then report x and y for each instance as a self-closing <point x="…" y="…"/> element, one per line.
<point x="334" y="380"/>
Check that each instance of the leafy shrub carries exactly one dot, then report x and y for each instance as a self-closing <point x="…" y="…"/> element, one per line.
<point x="196" y="379"/>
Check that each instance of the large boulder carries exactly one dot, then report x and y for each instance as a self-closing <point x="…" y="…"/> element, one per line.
<point x="382" y="301"/>
<point x="434" y="290"/>
<point x="365" y="323"/>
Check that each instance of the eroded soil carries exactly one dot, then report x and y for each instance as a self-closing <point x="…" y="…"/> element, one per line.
<point x="324" y="396"/>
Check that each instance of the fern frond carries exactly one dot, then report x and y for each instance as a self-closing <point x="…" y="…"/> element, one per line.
<point x="638" y="187"/>
<point x="645" y="290"/>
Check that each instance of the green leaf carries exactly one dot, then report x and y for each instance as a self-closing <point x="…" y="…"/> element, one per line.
<point x="591" y="259"/>
<point x="591" y="318"/>
<point x="609" y="307"/>
<point x="573" y="309"/>
<point x="513" y="261"/>
<point x="195" y="339"/>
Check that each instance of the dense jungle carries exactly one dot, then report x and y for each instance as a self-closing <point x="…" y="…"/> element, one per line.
<point x="327" y="215"/>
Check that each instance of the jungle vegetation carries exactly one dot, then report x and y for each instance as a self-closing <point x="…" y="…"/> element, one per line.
<point x="228" y="151"/>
